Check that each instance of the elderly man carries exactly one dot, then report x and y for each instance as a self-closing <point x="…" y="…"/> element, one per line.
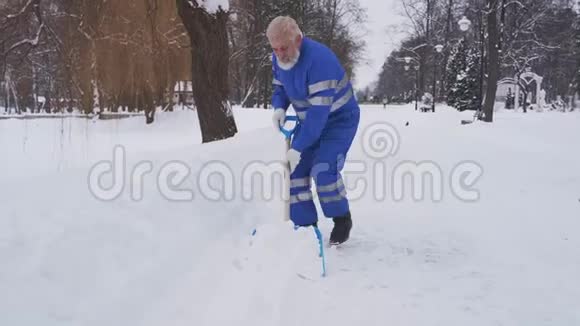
<point x="309" y="76"/>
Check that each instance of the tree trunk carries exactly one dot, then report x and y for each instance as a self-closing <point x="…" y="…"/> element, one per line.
<point x="447" y="44"/>
<point x="34" y="88"/>
<point x="502" y="26"/>
<point x="493" y="61"/>
<point x="148" y="104"/>
<point x="7" y="89"/>
<point x="15" y="97"/>
<point x="210" y="56"/>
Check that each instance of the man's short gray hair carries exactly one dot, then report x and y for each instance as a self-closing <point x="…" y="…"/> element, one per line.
<point x="283" y="28"/>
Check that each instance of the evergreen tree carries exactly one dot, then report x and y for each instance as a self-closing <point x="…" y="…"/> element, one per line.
<point x="454" y="66"/>
<point x="463" y="77"/>
<point x="470" y="98"/>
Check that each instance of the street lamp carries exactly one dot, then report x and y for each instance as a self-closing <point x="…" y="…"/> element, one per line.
<point x="416" y="84"/>
<point x="464" y="24"/>
<point x="407" y="67"/>
<point x="416" y="63"/>
<point x="438" y="48"/>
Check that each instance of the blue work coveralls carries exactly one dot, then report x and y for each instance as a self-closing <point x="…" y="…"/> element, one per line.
<point x="321" y="93"/>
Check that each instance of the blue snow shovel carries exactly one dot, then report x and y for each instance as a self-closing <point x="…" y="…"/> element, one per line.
<point x="288" y="133"/>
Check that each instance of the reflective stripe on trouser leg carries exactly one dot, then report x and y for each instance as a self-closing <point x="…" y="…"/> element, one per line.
<point x="332" y="194"/>
<point x="302" y="208"/>
<point x="330" y="158"/>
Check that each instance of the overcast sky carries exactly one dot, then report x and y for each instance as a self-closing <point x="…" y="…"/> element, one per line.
<point x="381" y="39"/>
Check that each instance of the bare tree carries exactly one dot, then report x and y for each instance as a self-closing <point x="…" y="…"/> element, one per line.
<point x="21" y="30"/>
<point x="336" y="23"/>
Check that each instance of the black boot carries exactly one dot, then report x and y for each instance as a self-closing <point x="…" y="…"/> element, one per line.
<point x="341" y="231"/>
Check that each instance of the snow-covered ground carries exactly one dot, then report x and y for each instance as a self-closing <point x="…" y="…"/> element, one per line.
<point x="493" y="237"/>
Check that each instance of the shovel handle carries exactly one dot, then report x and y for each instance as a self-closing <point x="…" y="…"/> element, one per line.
<point x="289" y="132"/>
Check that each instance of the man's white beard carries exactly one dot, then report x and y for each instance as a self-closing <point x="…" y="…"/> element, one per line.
<point x="289" y="65"/>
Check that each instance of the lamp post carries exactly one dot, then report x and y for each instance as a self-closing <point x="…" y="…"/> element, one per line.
<point x="438" y="50"/>
<point x="408" y="60"/>
<point x="464" y="24"/>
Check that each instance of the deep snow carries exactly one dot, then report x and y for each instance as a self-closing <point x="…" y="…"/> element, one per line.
<point x="510" y="257"/>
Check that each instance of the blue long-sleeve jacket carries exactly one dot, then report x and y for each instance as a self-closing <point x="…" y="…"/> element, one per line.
<point x="317" y="87"/>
